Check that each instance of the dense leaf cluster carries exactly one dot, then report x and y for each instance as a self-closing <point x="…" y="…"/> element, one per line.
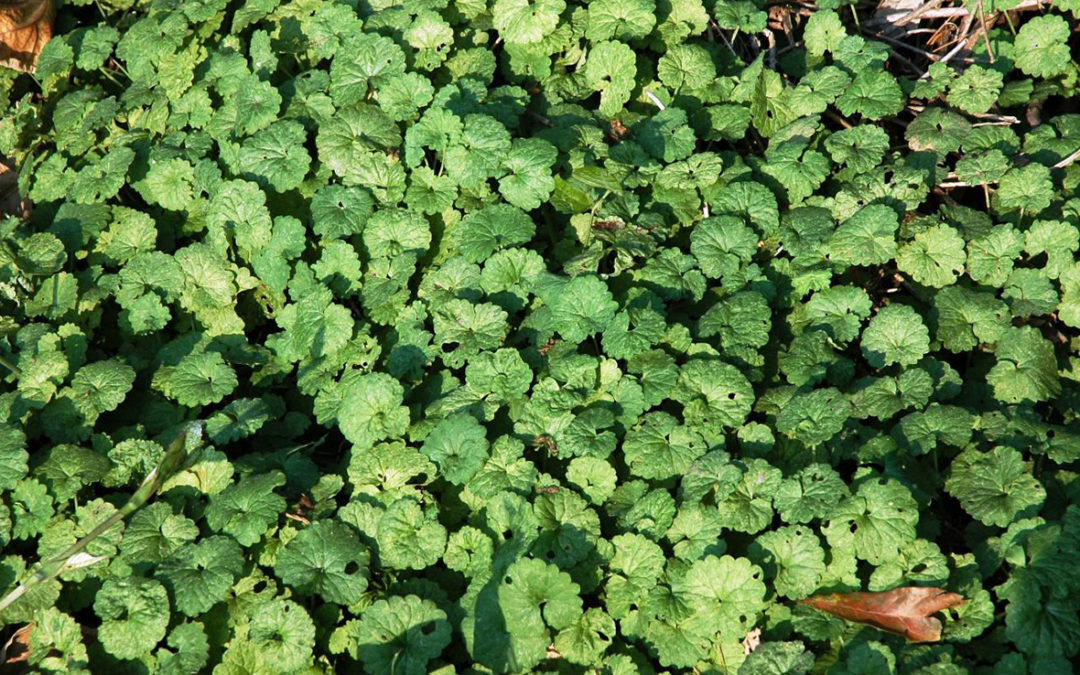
<point x="535" y="334"/>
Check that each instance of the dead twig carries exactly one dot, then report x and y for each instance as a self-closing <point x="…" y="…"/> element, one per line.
<point x="955" y="12"/>
<point x="771" y="40"/>
<point x="948" y="57"/>
<point x="918" y="13"/>
<point x="1073" y="156"/>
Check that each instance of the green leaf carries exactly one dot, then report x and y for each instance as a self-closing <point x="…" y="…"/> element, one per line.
<point x="815" y="416"/>
<point x="155" y="533"/>
<point x="635" y="568"/>
<point x="325" y="559"/>
<point x="659" y="447"/>
<point x="935" y="258"/>
<point x="778" y="658"/>
<point x="1058" y="240"/>
<point x="199" y="379"/>
<point x="715" y="395"/>
<point x="722" y="245"/>
<point x="528" y="181"/>
<point x="13" y="457"/>
<point x="749" y="506"/>
<point x="1026" y="368"/>
<point x="878" y="521"/>
<point x="967" y="318"/>
<point x="610" y="69"/>
<point x="491" y="229"/>
<point x="247" y="509"/>
<point x="200" y="575"/>
<point x="994" y="487"/>
<point x="728" y="593"/>
<point x="797" y="170"/>
<point x="338" y="211"/>
<point x="866" y="238"/>
<point x="1038" y="621"/>
<point x="408" y="537"/>
<point x="686" y="66"/>
<point x="459" y="446"/>
<point x="809" y="494"/>
<point x="582" y="307"/>
<point x="872" y="94"/>
<point x="371" y="410"/>
<point x="192" y="649"/>
<point x="619" y="20"/>
<point x="1027" y="188"/>
<point x="1041" y="48"/>
<point x="793" y="557"/>
<point x="134" y="614"/>
<point x="861" y="147"/>
<point x="399" y="634"/>
<point x="283" y="633"/>
<point x="276" y="157"/>
<point x="365" y="60"/>
<point x="990" y="258"/>
<point x="526" y="21"/>
<point x="535" y="599"/>
<point x="823" y="32"/>
<point x="391" y="233"/>
<point x="976" y="90"/>
<point x="896" y="334"/>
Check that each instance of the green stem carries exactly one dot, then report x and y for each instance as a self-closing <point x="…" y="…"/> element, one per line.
<point x="1008" y="20"/>
<point x="175" y="457"/>
<point x="10" y="365"/>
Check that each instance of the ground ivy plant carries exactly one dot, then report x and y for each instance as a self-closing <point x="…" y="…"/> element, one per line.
<point x="541" y="335"/>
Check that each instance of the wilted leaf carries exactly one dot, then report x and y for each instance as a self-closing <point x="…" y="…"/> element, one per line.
<point x="905" y="611"/>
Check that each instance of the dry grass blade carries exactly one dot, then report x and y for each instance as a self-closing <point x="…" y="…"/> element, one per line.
<point x="905" y="611"/>
<point x="25" y="27"/>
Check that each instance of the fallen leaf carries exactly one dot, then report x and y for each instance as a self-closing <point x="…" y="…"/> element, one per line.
<point x="25" y="27"/>
<point x="11" y="204"/>
<point x="906" y="611"/>
<point x="17" y="649"/>
<point x="752" y="641"/>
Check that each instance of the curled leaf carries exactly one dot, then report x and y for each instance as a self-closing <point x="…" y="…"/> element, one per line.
<point x="905" y="611"/>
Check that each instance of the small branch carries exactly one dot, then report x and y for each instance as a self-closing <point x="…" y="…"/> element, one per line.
<point x="996" y="121"/>
<point x="901" y="43"/>
<point x="540" y="118"/>
<point x="657" y="102"/>
<point x="839" y="120"/>
<point x="720" y="32"/>
<point x="1068" y="160"/>
<point x="945" y="59"/>
<point x="984" y="28"/>
<point x="953" y="12"/>
<point x="918" y="13"/>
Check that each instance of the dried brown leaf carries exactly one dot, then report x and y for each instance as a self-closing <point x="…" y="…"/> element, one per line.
<point x="25" y="27"/>
<point x="11" y="204"/>
<point x="752" y="641"/>
<point x="905" y="611"/>
<point x="17" y="649"/>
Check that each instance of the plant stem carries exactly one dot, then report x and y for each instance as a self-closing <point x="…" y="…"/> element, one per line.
<point x="175" y="456"/>
<point x="10" y="365"/>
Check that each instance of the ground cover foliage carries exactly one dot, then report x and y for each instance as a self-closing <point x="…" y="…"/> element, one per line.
<point x="543" y="335"/>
